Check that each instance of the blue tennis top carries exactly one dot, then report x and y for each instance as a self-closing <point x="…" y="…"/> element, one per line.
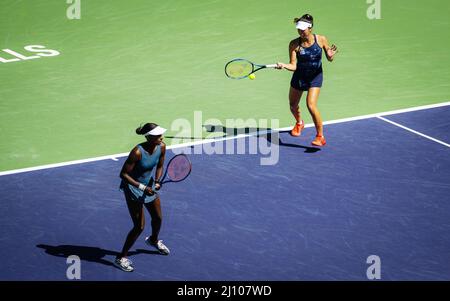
<point x="142" y="173"/>
<point x="309" y="60"/>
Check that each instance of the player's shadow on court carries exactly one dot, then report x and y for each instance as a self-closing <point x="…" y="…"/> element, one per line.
<point x="92" y="254"/>
<point x="226" y="132"/>
<point x="232" y="131"/>
<point x="308" y="149"/>
<point x="260" y="132"/>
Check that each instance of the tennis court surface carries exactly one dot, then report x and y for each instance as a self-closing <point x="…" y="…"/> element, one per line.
<point x="375" y="189"/>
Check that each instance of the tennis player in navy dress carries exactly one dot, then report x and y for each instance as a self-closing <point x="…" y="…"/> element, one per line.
<point x="305" y="54"/>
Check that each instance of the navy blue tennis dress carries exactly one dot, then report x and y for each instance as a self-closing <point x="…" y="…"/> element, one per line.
<point x="309" y="71"/>
<point x="142" y="173"/>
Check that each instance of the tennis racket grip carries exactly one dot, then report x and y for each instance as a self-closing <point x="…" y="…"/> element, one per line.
<point x="271" y="66"/>
<point x="160" y="185"/>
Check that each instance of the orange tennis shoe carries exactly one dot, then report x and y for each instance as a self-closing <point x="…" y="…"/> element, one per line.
<point x="319" y="141"/>
<point x="297" y="129"/>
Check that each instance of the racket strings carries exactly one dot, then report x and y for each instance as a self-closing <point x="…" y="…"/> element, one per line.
<point x="178" y="169"/>
<point x="239" y="68"/>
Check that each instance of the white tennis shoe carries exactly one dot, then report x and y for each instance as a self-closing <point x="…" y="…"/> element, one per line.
<point x="162" y="248"/>
<point x="124" y="264"/>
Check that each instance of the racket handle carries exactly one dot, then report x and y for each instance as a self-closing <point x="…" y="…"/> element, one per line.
<point x="271" y="66"/>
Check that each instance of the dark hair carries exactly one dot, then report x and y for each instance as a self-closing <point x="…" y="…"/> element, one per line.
<point x="142" y="129"/>
<point x="305" y="17"/>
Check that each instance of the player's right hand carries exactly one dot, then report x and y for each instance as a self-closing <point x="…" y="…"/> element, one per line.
<point x="279" y="66"/>
<point x="149" y="191"/>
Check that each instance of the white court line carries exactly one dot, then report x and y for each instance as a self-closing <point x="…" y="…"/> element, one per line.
<point x="413" y="131"/>
<point x="205" y="141"/>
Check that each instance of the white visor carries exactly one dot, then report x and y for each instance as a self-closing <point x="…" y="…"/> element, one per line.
<point x="156" y="131"/>
<point x="302" y="25"/>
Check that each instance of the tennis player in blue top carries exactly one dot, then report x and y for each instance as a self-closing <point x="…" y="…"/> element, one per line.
<point x="305" y="53"/>
<point x="139" y="188"/>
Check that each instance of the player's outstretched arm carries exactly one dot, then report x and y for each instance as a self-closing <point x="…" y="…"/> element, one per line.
<point x="330" y="51"/>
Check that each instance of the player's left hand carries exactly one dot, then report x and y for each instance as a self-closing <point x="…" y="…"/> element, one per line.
<point x="157" y="186"/>
<point x="332" y="51"/>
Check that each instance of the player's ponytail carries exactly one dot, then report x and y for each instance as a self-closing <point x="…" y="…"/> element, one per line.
<point x="306" y="17"/>
<point x="143" y="129"/>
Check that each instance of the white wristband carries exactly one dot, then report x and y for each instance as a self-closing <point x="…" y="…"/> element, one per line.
<point x="142" y="187"/>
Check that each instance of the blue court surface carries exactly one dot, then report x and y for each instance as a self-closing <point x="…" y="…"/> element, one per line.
<point x="375" y="189"/>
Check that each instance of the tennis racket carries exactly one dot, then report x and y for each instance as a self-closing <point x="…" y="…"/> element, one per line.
<point x="242" y="68"/>
<point x="177" y="170"/>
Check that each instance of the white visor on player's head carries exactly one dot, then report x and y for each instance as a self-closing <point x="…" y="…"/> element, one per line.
<point x="156" y="131"/>
<point x="302" y="25"/>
